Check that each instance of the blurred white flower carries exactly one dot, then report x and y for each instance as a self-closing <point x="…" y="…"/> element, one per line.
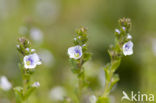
<point x="47" y="57"/>
<point x="129" y="36"/>
<point x="92" y="99"/>
<point x="117" y="30"/>
<point x="36" y="84"/>
<point x="36" y="35"/>
<point x="154" y="46"/>
<point x="128" y="48"/>
<point x="47" y="11"/>
<point x="5" y="84"/>
<point x="75" y="52"/>
<point x="31" y="61"/>
<point x="57" y="93"/>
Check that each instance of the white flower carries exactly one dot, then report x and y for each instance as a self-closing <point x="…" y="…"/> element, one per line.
<point x="57" y="93"/>
<point x="129" y="36"/>
<point x="128" y="48"/>
<point x="75" y="52"/>
<point x="36" y="84"/>
<point x="31" y="61"/>
<point x="117" y="30"/>
<point x="47" y="57"/>
<point x="36" y="35"/>
<point x="92" y="99"/>
<point x="5" y="84"/>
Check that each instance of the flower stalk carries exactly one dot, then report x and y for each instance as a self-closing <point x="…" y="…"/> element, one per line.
<point x="78" y="55"/>
<point x="123" y="46"/>
<point x="29" y="60"/>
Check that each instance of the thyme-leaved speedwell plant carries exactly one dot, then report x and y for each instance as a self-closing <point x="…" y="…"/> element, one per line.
<point x="78" y="55"/>
<point x="29" y="61"/>
<point x="123" y="46"/>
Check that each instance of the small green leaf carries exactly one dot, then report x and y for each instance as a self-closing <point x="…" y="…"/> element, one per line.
<point x="114" y="80"/>
<point x="115" y="64"/>
<point x="107" y="71"/>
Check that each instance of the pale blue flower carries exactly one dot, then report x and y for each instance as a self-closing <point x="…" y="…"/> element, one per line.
<point x="31" y="61"/>
<point x="27" y="49"/>
<point x="33" y="50"/>
<point x="84" y="45"/>
<point x="128" y="48"/>
<point x="124" y="28"/>
<point x="36" y="84"/>
<point x="117" y="31"/>
<point x="75" y="52"/>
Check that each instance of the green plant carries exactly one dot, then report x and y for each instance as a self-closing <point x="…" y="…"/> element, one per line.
<point x="78" y="55"/>
<point x="29" y="60"/>
<point x="123" y="46"/>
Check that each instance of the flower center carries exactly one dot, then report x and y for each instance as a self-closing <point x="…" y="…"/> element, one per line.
<point x="127" y="47"/>
<point x="77" y="53"/>
<point x="28" y="62"/>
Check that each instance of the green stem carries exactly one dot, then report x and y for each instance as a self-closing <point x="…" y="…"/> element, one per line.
<point x="107" y="85"/>
<point x="80" y="82"/>
<point x="26" y="79"/>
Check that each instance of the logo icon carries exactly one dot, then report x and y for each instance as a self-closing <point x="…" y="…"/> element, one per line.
<point x="125" y="96"/>
<point x="139" y="97"/>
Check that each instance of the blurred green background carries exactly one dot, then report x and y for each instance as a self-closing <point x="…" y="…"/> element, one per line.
<point x="57" y="20"/>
